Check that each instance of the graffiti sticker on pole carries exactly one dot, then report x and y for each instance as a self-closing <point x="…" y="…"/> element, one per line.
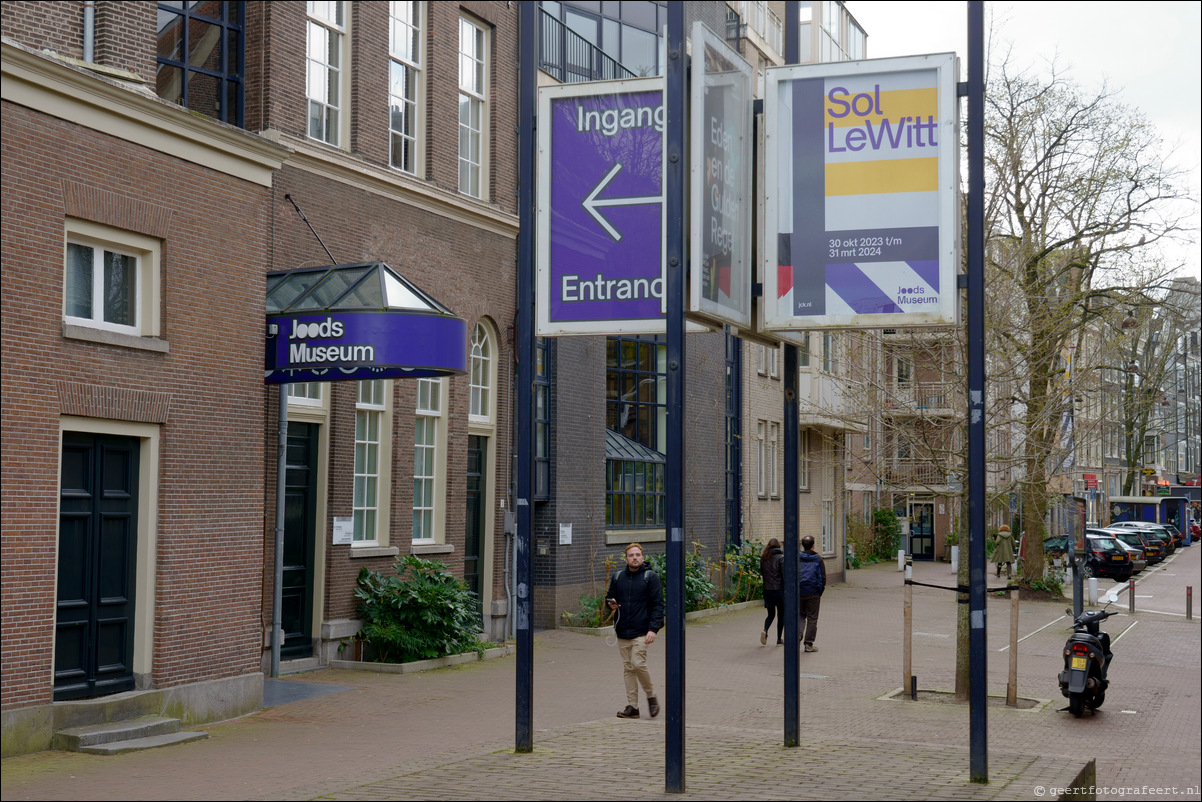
<point x="600" y="208"/>
<point x="862" y="205"/>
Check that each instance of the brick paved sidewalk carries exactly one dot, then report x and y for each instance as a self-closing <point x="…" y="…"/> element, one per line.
<point x="449" y="734"/>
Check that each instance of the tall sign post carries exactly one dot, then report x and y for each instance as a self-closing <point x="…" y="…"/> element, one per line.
<point x="523" y="611"/>
<point x="674" y="175"/>
<point x="792" y="430"/>
<point x="977" y="654"/>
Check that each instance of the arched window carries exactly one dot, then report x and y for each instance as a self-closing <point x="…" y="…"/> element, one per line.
<point x="481" y="379"/>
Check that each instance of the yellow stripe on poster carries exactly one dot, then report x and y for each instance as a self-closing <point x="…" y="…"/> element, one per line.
<point x="872" y="106"/>
<point x="883" y="176"/>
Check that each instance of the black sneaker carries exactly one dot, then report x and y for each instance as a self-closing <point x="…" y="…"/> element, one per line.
<point x="653" y="704"/>
<point x="629" y="712"/>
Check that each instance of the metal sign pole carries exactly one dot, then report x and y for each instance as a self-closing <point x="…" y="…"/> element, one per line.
<point x="674" y="167"/>
<point x="978" y="746"/>
<point x="524" y="597"/>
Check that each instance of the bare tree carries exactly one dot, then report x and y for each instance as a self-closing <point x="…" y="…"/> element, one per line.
<point x="1079" y="193"/>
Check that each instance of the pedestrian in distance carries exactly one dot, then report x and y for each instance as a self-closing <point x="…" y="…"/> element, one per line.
<point x="637" y="598"/>
<point x="1003" y="549"/>
<point x="772" y="571"/>
<point x="811" y="582"/>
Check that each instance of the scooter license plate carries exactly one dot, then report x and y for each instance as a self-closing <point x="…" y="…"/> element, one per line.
<point x="1080" y="663"/>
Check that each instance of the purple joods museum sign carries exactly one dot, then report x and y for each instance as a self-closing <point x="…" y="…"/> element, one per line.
<point x="599" y="208"/>
<point x="363" y="345"/>
<point x="357" y="321"/>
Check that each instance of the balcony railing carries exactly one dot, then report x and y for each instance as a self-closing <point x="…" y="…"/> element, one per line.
<point x="759" y="18"/>
<point x="921" y="398"/>
<point x="570" y="58"/>
<point x="914" y="472"/>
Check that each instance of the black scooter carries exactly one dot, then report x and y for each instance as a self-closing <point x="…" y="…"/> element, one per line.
<point x="1087" y="656"/>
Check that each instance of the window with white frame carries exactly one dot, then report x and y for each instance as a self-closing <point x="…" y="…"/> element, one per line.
<point x="427" y="458"/>
<point x="803" y="460"/>
<point x="370" y="408"/>
<point x="326" y="59"/>
<point x="111" y="279"/>
<point x="404" y="82"/>
<point x="305" y="393"/>
<point x="481" y="376"/>
<point x="828" y="352"/>
<point x="761" y="440"/>
<point x="473" y="97"/>
<point x="773" y="458"/>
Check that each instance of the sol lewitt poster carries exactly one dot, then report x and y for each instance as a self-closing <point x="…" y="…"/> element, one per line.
<point x="862" y="205"/>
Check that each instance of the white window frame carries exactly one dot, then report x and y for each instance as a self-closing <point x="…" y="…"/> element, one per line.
<point x="306" y="394"/>
<point x="761" y="440"/>
<point x="147" y="272"/>
<point x="482" y="376"/>
<point x="773" y="459"/>
<point x="372" y="466"/>
<point x="473" y="98"/>
<point x="429" y="478"/>
<point x="325" y="72"/>
<point x="407" y="59"/>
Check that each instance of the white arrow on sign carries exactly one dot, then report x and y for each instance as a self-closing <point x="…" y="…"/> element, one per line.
<point x="592" y="204"/>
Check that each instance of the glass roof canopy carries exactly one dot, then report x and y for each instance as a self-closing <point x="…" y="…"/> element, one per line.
<point x="357" y="321"/>
<point x="367" y="285"/>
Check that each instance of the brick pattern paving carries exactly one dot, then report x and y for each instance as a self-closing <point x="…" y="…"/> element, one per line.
<point x="449" y="734"/>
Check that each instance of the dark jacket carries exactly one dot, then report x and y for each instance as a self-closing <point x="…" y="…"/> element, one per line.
<point x="772" y="569"/>
<point x="811" y="577"/>
<point x="640" y="597"/>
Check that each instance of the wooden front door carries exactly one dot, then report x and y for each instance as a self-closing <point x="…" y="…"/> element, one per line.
<point x="97" y="564"/>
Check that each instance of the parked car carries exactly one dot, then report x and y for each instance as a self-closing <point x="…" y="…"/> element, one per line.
<point x="1104" y="556"/>
<point x="1155" y="529"/>
<point x="1130" y="540"/>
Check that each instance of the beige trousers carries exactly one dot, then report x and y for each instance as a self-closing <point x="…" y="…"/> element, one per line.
<point x="635" y="671"/>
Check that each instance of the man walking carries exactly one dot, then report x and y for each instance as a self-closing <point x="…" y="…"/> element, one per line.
<point x="637" y="597"/>
<point x="811" y="582"/>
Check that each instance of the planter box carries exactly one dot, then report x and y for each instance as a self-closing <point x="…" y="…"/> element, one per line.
<point x="424" y="665"/>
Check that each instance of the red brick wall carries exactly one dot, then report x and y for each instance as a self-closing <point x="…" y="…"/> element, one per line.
<point x="214" y="246"/>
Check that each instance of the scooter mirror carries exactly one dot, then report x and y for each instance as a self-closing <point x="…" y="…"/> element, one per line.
<point x="1112" y="597"/>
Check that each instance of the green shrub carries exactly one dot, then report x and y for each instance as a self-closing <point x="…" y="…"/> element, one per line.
<point x="886" y="534"/>
<point x="589" y="614"/>
<point x="698" y="588"/>
<point x="420" y="613"/>
<point x="740" y="570"/>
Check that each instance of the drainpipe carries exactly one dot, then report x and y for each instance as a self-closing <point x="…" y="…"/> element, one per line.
<point x="89" y="29"/>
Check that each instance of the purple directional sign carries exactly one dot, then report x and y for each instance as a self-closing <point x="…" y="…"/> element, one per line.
<point x="600" y="230"/>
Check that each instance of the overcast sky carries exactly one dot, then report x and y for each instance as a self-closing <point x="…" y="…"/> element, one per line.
<point x="1148" y="51"/>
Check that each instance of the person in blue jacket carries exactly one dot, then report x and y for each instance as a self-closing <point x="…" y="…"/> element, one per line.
<point x="637" y="596"/>
<point x="811" y="581"/>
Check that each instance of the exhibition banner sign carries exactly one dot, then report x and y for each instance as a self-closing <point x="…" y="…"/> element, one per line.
<point x="862" y="196"/>
<point x="721" y="169"/>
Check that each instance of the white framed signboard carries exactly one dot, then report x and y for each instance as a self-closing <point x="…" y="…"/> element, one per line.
<point x="599" y="246"/>
<point x="862" y="203"/>
<point x="721" y="166"/>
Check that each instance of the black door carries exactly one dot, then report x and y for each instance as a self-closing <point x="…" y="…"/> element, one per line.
<point x="922" y="530"/>
<point x="97" y="553"/>
<point x="300" y="528"/>
<point x="477" y="450"/>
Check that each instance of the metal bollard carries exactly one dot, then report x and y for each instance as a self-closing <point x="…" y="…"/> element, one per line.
<point x="1189" y="602"/>
<point x="901" y="559"/>
<point x="1093" y="591"/>
<point x="1131" y="595"/>
<point x="913" y="688"/>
